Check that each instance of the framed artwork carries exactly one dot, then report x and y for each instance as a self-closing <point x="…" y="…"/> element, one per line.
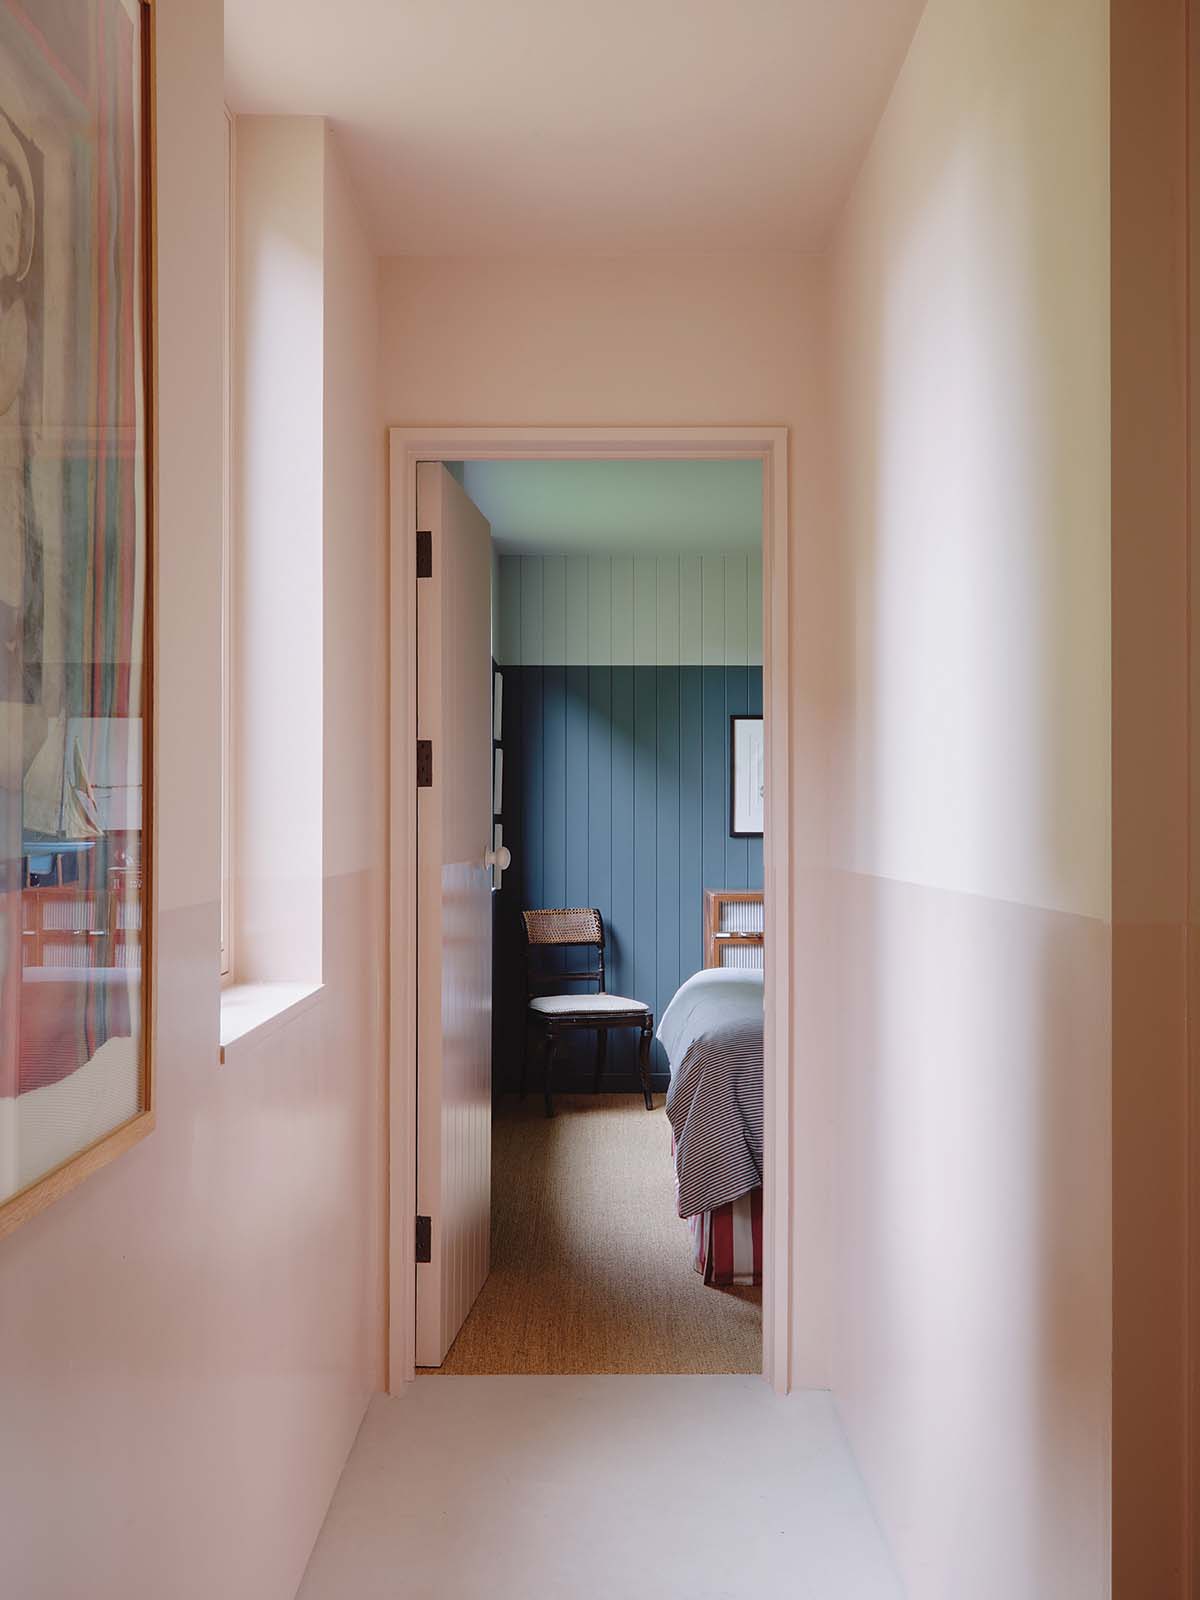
<point x="747" y="777"/>
<point x="76" y="591"/>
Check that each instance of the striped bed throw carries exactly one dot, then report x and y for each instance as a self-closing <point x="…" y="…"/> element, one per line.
<point x="727" y="1247"/>
<point x="712" y="1033"/>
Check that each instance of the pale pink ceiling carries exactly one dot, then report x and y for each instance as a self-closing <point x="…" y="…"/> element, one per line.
<point x="484" y="127"/>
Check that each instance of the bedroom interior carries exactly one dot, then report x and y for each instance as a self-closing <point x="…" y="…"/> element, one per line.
<point x="627" y="789"/>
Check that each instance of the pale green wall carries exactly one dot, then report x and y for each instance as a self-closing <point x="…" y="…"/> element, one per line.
<point x="619" y="507"/>
<point x="579" y="610"/>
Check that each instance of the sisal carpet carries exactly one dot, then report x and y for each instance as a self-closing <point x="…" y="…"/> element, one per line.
<point x="591" y="1267"/>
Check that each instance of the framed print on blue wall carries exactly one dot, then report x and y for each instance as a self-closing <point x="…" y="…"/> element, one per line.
<point x="76" y="588"/>
<point x="747" y="777"/>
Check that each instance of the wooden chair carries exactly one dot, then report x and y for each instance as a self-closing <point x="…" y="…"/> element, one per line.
<point x="554" y="1014"/>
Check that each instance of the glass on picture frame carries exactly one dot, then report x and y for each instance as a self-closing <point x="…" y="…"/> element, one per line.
<point x="76" y="583"/>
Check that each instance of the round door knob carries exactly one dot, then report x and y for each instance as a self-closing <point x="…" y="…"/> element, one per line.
<point x="501" y="858"/>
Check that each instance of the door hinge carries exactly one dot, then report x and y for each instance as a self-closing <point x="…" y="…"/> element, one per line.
<point x="424" y="1240"/>
<point x="424" y="763"/>
<point x="424" y="553"/>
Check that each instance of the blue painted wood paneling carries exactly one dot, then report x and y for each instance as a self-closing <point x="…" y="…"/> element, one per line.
<point x="714" y="778"/>
<point x="526" y="801"/>
<point x="617" y="795"/>
<point x="737" y="856"/>
<point x="645" y="834"/>
<point x="600" y="787"/>
<point x="554" y="786"/>
<point x="621" y="918"/>
<point x="754" y="706"/>
<point x="667" y="847"/>
<point x="578" y="747"/>
<point x="691" y="825"/>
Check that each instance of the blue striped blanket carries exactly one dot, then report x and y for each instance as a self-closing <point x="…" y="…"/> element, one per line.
<point x="712" y="1033"/>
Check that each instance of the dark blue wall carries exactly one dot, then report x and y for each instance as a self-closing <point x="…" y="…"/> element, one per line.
<point x="616" y="794"/>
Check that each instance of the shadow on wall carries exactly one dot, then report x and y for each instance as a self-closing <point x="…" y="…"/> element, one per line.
<point x="617" y="795"/>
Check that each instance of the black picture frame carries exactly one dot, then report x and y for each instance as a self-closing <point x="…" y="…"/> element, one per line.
<point x="734" y="831"/>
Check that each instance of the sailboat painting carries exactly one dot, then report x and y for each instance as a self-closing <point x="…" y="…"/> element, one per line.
<point x="76" y="523"/>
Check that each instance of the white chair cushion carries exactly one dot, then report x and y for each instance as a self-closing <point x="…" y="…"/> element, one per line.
<point x="576" y="1005"/>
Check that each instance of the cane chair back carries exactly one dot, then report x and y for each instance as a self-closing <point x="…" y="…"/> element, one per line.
<point x="576" y="927"/>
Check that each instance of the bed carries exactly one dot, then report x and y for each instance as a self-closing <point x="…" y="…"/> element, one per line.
<point x="712" y="1033"/>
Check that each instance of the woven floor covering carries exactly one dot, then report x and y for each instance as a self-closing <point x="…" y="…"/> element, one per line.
<point x="591" y="1268"/>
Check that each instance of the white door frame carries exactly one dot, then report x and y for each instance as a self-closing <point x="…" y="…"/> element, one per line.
<point x="407" y="446"/>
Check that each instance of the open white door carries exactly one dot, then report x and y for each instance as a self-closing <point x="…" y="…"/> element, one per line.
<point x="454" y="909"/>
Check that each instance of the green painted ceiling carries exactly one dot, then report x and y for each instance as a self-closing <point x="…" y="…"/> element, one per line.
<point x="536" y="507"/>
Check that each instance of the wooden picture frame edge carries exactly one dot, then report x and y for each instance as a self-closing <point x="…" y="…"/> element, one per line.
<point x="35" y="1197"/>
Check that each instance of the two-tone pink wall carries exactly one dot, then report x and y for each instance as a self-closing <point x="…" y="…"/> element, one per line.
<point x="972" y="797"/>
<point x="188" y="1340"/>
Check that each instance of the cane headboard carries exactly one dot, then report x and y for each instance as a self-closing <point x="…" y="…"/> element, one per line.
<point x="733" y="928"/>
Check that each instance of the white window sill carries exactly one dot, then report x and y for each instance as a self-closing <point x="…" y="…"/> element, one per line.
<point x="251" y="1011"/>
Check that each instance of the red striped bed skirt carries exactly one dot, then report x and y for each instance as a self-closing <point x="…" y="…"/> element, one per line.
<point x="727" y="1245"/>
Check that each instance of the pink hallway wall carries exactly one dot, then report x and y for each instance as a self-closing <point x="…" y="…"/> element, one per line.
<point x="187" y="1341"/>
<point x="659" y="339"/>
<point x="972" y="1335"/>
<point x="278" y="486"/>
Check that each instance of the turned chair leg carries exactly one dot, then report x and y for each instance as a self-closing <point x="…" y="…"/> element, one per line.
<point x="601" y="1056"/>
<point x="644" y="1062"/>
<point x="549" y="1053"/>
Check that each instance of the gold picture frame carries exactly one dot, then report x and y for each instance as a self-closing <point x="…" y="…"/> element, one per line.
<point x="81" y="64"/>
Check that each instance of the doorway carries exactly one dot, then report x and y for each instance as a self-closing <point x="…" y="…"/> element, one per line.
<point x="408" y="447"/>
